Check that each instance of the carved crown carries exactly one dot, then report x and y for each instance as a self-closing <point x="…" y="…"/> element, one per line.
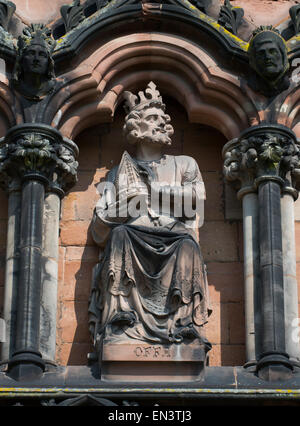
<point x="264" y="28"/>
<point x="36" y="34"/>
<point x="151" y="97"/>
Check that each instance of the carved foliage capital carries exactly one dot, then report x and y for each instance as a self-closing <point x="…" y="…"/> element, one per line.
<point x="262" y="151"/>
<point x="38" y="152"/>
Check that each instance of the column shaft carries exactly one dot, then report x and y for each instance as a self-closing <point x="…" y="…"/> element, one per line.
<point x="11" y="272"/>
<point x="26" y="360"/>
<point x="49" y="277"/>
<point x="273" y="362"/>
<point x="271" y="267"/>
<point x="251" y="275"/>
<point x="290" y="278"/>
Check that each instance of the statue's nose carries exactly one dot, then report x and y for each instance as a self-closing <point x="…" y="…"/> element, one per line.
<point x="268" y="55"/>
<point x="161" y="122"/>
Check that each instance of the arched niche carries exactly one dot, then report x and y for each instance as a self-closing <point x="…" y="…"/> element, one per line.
<point x="101" y="148"/>
<point x="92" y="92"/>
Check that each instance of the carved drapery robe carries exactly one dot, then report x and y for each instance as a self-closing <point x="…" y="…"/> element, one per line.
<point x="151" y="283"/>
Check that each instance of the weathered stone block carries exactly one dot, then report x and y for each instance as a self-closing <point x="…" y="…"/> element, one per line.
<point x="75" y="233"/>
<point x="143" y="362"/>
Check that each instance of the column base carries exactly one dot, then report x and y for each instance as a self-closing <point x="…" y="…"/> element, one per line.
<point x="26" y="366"/>
<point x="295" y="363"/>
<point x="250" y="366"/>
<point x="274" y="366"/>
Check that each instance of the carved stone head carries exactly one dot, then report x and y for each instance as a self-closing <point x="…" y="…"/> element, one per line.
<point x="34" y="62"/>
<point x="146" y="120"/>
<point x="268" y="58"/>
<point x="35" y="59"/>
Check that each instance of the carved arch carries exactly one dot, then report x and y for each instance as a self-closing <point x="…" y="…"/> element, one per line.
<point x="181" y="69"/>
<point x="290" y="111"/>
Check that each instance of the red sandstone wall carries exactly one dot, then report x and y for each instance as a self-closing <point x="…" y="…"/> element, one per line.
<point x="221" y="241"/>
<point x="264" y="12"/>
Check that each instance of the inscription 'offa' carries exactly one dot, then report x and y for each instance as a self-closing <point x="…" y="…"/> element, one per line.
<point x="152" y="352"/>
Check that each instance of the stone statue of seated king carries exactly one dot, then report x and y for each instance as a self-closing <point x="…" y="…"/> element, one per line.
<point x="149" y="289"/>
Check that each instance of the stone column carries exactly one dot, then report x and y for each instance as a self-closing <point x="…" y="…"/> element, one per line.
<point x="49" y="276"/>
<point x="26" y="359"/>
<point x="13" y="189"/>
<point x="289" y="274"/>
<point x="236" y="172"/>
<point x="251" y="276"/>
<point x="44" y="162"/>
<point x="273" y="360"/>
<point x="261" y="159"/>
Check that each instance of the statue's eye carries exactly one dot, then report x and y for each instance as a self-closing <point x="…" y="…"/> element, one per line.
<point x="152" y="117"/>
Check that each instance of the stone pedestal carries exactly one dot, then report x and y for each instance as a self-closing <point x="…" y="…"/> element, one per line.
<point x="141" y="362"/>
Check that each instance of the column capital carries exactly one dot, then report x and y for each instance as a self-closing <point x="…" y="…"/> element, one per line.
<point x="263" y="152"/>
<point x="38" y="151"/>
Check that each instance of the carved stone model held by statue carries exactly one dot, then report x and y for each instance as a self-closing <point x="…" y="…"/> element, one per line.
<point x="269" y="60"/>
<point x="151" y="284"/>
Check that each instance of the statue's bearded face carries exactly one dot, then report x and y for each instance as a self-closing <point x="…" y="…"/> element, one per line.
<point x="155" y="127"/>
<point x="268" y="56"/>
<point x="35" y="60"/>
<point x="150" y="125"/>
<point x="269" y="61"/>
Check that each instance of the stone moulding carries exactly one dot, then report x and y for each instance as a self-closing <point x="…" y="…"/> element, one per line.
<point x="94" y="88"/>
<point x="72" y="42"/>
<point x="119" y="12"/>
<point x="183" y="10"/>
<point x="228" y="383"/>
<point x="194" y="77"/>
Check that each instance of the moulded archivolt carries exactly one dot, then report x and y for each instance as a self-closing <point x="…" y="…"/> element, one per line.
<point x="183" y="70"/>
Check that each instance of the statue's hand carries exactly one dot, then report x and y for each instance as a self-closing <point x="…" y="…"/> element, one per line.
<point x="117" y="212"/>
<point x="127" y="207"/>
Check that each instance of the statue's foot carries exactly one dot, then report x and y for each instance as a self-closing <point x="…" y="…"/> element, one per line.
<point x="124" y="318"/>
<point x="189" y="333"/>
<point x="185" y="333"/>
